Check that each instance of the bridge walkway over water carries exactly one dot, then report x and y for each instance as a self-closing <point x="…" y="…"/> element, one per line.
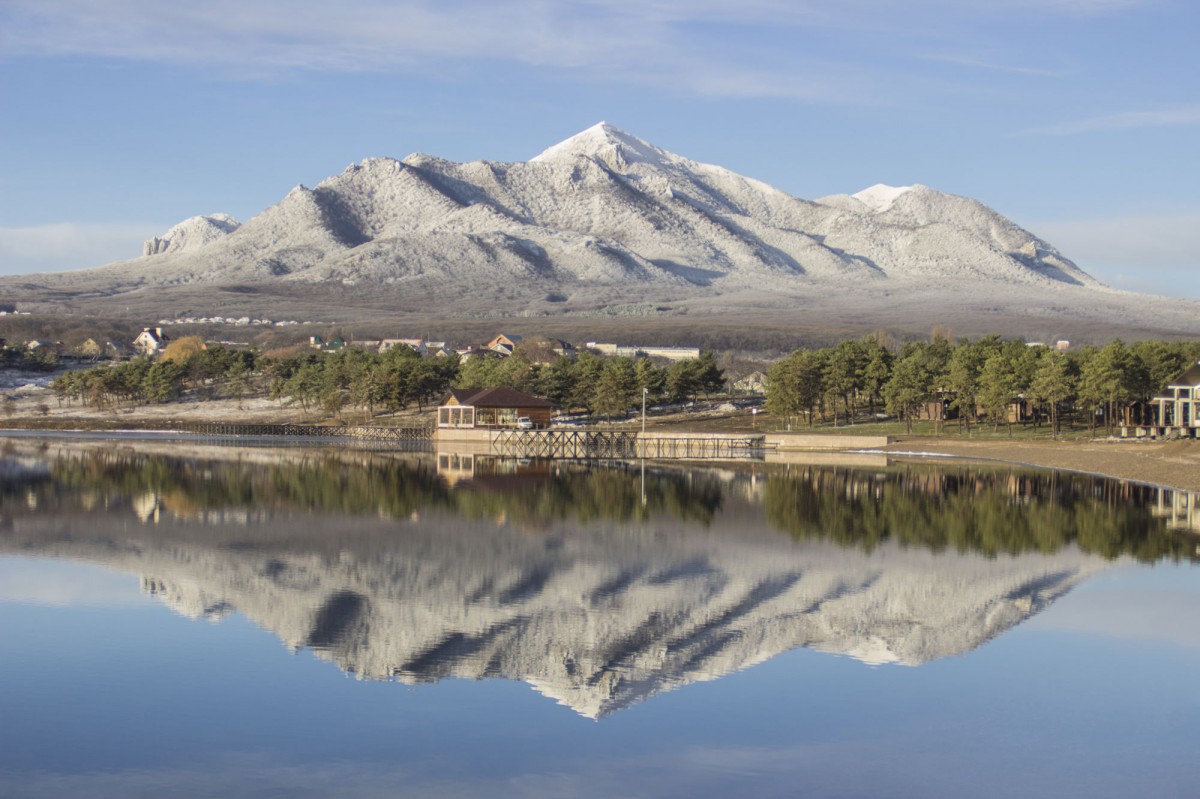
<point x="603" y="444"/>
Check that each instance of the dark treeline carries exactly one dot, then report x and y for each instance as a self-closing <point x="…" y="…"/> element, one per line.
<point x="607" y="386"/>
<point x="986" y="379"/>
<point x="387" y="382"/>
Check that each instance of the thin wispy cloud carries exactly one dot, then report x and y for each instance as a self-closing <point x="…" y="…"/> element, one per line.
<point x="1074" y="7"/>
<point x="993" y="66"/>
<point x="649" y="42"/>
<point x="615" y="40"/>
<point x="1129" y="120"/>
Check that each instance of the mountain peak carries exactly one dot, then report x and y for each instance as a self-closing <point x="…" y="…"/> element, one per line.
<point x="881" y="196"/>
<point x="192" y="233"/>
<point x="609" y="144"/>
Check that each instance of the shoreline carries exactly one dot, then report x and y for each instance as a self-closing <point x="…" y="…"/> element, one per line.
<point x="1165" y="464"/>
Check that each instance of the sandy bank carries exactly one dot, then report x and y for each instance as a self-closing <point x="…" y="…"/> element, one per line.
<point x="1173" y="463"/>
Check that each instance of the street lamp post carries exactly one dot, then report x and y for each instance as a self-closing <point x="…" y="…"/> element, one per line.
<point x="645" y="391"/>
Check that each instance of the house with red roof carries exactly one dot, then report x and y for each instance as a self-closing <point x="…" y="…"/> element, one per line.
<point x="492" y="408"/>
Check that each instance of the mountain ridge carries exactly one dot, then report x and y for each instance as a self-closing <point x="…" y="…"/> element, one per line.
<point x="605" y="218"/>
<point x="602" y="206"/>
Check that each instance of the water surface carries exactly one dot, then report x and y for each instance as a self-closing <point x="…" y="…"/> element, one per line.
<point x="250" y="622"/>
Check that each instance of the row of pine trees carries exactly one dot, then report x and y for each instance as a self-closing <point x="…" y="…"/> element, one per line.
<point x="973" y="380"/>
<point x="332" y="382"/>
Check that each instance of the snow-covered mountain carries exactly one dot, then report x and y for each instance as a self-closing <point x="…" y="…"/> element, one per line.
<point x="602" y="207"/>
<point x="605" y="223"/>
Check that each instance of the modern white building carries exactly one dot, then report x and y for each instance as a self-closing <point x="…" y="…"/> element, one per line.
<point x="1178" y="409"/>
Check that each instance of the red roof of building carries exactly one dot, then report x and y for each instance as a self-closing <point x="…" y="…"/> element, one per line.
<point x="497" y="398"/>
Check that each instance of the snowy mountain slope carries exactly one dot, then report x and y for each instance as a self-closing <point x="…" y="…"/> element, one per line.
<point x="604" y="208"/>
<point x="936" y="234"/>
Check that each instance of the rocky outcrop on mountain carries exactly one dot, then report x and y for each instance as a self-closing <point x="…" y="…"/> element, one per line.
<point x="191" y="234"/>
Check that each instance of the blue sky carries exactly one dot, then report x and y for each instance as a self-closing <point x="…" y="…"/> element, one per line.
<point x="1079" y="119"/>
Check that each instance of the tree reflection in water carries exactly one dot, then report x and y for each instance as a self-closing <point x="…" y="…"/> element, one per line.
<point x="990" y="510"/>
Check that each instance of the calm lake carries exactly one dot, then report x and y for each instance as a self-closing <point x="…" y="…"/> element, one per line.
<point x="209" y="621"/>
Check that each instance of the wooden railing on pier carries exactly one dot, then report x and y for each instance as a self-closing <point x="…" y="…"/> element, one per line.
<point x="359" y="433"/>
<point x="604" y="444"/>
<point x="565" y="443"/>
<point x="701" y="446"/>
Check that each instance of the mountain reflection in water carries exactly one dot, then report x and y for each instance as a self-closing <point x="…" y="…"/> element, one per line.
<point x="600" y="586"/>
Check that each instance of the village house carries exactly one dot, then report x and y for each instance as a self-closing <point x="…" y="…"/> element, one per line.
<point x="90" y="349"/>
<point x="492" y="407"/>
<point x="417" y="345"/>
<point x="542" y="349"/>
<point x="753" y="383"/>
<point x="150" y="341"/>
<point x="472" y="351"/>
<point x="334" y="344"/>
<point x="562" y="348"/>
<point x="504" y="345"/>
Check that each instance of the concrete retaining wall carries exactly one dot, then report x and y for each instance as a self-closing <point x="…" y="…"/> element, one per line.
<point x="814" y="441"/>
<point x="464" y="435"/>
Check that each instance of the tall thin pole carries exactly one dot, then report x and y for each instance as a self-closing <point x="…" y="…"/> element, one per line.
<point x="645" y="391"/>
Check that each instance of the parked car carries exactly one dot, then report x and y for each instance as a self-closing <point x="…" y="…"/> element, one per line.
<point x="524" y="423"/>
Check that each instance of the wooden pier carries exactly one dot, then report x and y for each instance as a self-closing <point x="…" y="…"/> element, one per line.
<point x="233" y="430"/>
<point x="616" y="444"/>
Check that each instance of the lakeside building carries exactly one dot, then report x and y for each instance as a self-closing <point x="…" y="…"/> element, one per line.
<point x="470" y="408"/>
<point x="1177" y="410"/>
